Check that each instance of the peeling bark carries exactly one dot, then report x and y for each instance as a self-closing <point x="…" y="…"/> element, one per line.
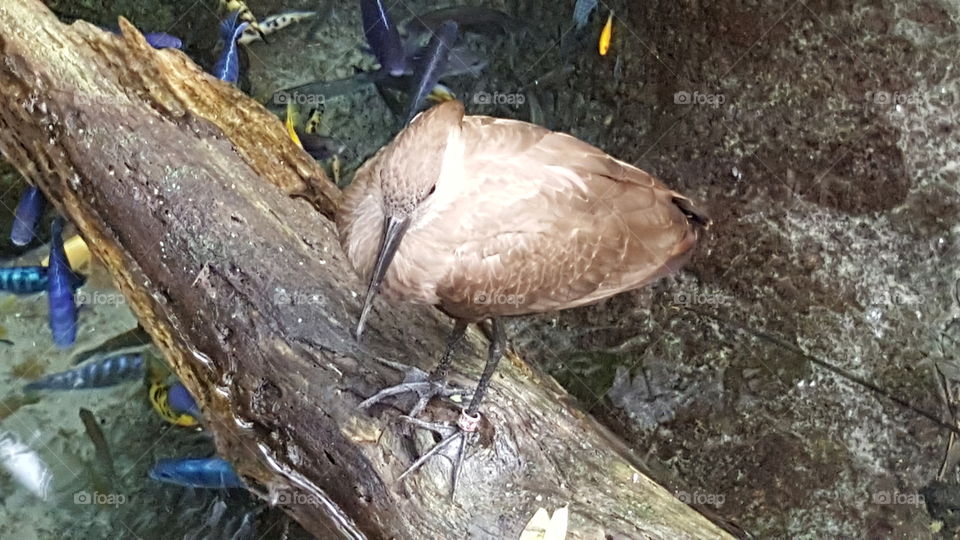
<point x="181" y="185"/>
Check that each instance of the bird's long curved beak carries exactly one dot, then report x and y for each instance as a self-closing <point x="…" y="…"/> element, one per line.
<point x="393" y="231"/>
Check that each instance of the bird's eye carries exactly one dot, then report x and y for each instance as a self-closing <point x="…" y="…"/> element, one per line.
<point x="429" y="193"/>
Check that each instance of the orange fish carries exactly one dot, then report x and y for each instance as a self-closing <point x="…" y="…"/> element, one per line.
<point x="605" y="36"/>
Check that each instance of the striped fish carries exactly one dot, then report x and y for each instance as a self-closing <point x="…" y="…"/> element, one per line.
<point x="110" y="371"/>
<point x="30" y="279"/>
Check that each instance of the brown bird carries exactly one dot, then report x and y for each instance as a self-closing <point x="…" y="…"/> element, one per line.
<point x="487" y="217"/>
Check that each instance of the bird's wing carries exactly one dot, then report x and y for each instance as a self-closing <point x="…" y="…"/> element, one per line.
<point x="552" y="222"/>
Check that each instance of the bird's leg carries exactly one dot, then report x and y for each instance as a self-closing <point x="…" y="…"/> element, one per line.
<point x="469" y="419"/>
<point x="426" y="386"/>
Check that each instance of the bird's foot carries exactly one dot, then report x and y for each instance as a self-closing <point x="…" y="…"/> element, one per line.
<point x="455" y="436"/>
<point x="416" y="381"/>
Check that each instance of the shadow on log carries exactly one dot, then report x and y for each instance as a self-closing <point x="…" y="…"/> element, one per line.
<point x="181" y="185"/>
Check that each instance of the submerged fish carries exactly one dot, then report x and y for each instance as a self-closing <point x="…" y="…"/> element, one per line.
<point x="213" y="473"/>
<point x="430" y="65"/>
<point x="383" y="37"/>
<point x="31" y="279"/>
<point x="441" y="93"/>
<point x="27" y="216"/>
<point x="312" y="125"/>
<point x="243" y="13"/>
<point x="109" y="371"/>
<point x="174" y="404"/>
<point x="291" y="123"/>
<point x="78" y="253"/>
<point x="131" y="341"/>
<point x="272" y="24"/>
<point x="60" y="279"/>
<point x="478" y="20"/>
<point x="157" y="40"/>
<point x="162" y="40"/>
<point x="581" y="12"/>
<point x="320" y="146"/>
<point x="99" y="441"/>
<point x="227" y="67"/>
<point x="603" y="46"/>
<point x="25" y="465"/>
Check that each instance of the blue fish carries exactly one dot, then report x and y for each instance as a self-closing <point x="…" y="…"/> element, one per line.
<point x="63" y="306"/>
<point x="227" y="67"/>
<point x="581" y="12"/>
<point x="157" y="40"/>
<point x="430" y="64"/>
<point x="27" y="215"/>
<point x="383" y="37"/>
<point x="31" y="279"/>
<point x="181" y="401"/>
<point x="109" y="371"/>
<point x="162" y="40"/>
<point x="213" y="473"/>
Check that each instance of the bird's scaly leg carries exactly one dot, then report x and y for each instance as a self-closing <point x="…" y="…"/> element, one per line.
<point x="426" y="386"/>
<point x="469" y="419"/>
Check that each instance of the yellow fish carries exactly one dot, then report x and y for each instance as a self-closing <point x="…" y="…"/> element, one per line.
<point x="441" y="93"/>
<point x="158" y="398"/>
<point x="77" y="253"/>
<point x="291" y="124"/>
<point x="313" y="121"/>
<point x="605" y="36"/>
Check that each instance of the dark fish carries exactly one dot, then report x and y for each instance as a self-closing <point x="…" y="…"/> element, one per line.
<point x="110" y="371"/>
<point x="478" y="20"/>
<point x="26" y="216"/>
<point x="60" y="278"/>
<point x="383" y="37"/>
<point x="227" y="67"/>
<point x="320" y="146"/>
<point x="430" y="65"/>
<point x="31" y="279"/>
<point x="213" y="473"/>
<point x="99" y="441"/>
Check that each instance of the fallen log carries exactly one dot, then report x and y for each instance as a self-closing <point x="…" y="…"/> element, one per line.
<point x="182" y="187"/>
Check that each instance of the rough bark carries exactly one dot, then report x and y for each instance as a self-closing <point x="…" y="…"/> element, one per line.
<point x="181" y="185"/>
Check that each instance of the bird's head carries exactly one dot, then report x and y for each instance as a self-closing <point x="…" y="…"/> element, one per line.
<point x="408" y="171"/>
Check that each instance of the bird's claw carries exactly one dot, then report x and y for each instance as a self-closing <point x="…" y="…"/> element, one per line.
<point x="466" y="426"/>
<point x="417" y="381"/>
